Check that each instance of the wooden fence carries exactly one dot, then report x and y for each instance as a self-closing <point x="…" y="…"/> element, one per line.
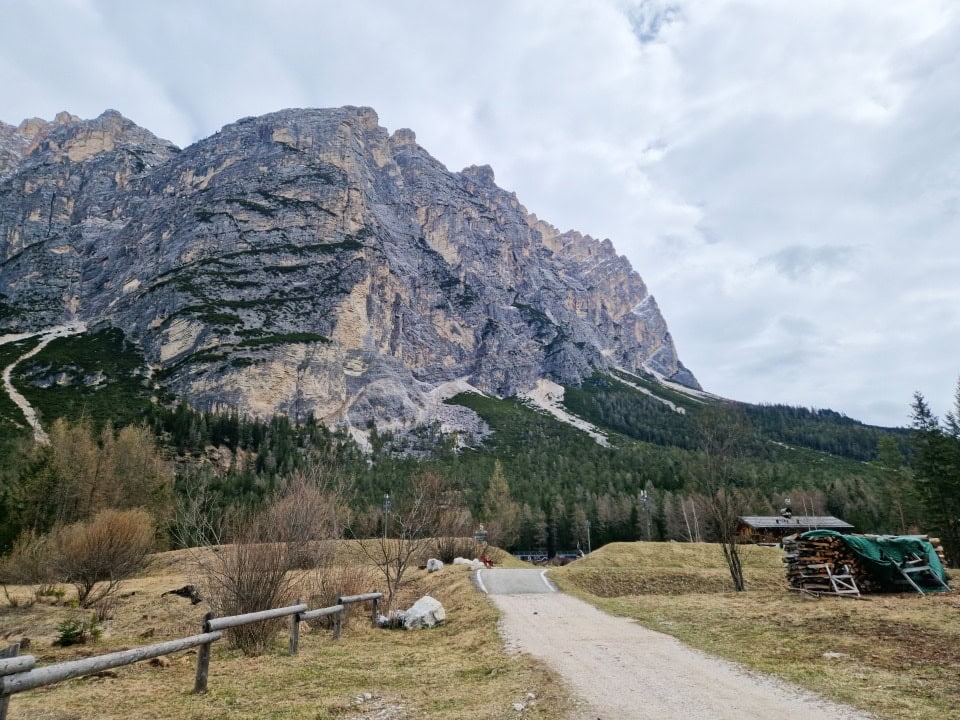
<point x="19" y="673"/>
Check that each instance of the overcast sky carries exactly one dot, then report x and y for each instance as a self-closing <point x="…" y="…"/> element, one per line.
<point x="784" y="175"/>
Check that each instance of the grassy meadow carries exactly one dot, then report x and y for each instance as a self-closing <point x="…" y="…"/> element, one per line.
<point x="899" y="655"/>
<point x="455" y="671"/>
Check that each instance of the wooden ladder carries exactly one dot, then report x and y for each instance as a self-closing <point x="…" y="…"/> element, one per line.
<point x="840" y="584"/>
<point x="913" y="565"/>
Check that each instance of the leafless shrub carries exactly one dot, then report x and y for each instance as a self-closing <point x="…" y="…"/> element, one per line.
<point x="104" y="608"/>
<point x="271" y="555"/>
<point x="104" y="552"/>
<point x="454" y="531"/>
<point x="32" y="561"/>
<point x="329" y="583"/>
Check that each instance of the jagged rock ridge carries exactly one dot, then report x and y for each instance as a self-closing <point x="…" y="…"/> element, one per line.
<point x="308" y="261"/>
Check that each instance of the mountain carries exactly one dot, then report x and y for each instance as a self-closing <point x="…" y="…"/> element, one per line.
<point x="309" y="263"/>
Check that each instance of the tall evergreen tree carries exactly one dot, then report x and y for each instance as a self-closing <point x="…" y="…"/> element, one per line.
<point x="936" y="463"/>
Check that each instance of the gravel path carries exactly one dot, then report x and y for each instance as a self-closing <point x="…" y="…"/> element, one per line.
<point x="620" y="670"/>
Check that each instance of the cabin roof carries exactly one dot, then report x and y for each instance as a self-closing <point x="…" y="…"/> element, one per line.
<point x="805" y="522"/>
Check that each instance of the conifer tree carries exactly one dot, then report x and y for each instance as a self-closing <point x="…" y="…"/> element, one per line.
<point x="936" y="463"/>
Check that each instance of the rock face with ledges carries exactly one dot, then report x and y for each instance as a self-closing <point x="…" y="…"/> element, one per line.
<point x="308" y="261"/>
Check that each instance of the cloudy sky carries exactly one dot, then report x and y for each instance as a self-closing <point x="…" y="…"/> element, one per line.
<point x="785" y="175"/>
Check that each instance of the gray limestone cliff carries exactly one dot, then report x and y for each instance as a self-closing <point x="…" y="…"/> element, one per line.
<point x="308" y="261"/>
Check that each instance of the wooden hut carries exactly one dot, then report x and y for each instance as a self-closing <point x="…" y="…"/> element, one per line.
<point x="772" y="529"/>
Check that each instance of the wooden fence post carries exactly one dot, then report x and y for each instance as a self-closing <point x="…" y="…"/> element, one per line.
<point x="338" y="624"/>
<point x="373" y="613"/>
<point x="203" y="659"/>
<point x="10" y="651"/>
<point x="295" y="630"/>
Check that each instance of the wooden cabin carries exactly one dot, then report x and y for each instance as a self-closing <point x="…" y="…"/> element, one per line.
<point x="772" y="529"/>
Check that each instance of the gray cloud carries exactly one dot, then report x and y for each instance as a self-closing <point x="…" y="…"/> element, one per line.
<point x="799" y="261"/>
<point x="783" y="174"/>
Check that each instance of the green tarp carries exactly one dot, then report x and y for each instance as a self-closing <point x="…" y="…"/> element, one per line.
<point x="883" y="554"/>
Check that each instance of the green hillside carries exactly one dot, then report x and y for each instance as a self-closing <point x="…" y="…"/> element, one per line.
<point x="558" y="474"/>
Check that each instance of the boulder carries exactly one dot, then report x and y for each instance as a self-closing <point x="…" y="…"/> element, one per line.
<point x="434" y="565"/>
<point x="425" y="613"/>
<point x="474" y="564"/>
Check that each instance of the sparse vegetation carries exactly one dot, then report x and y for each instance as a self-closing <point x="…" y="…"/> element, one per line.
<point x="898" y="653"/>
<point x="461" y="668"/>
<point x="282" y="339"/>
<point x="408" y="531"/>
<point x="98" y="376"/>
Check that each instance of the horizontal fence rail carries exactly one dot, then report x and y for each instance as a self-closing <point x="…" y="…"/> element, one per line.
<point x="374" y="596"/>
<point x="346" y="599"/>
<point x="322" y="612"/>
<point x="19" y="673"/>
<point x="247" y="618"/>
<point x="9" y="666"/>
<point x="38" y="677"/>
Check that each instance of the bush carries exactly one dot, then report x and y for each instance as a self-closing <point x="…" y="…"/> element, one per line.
<point x="32" y="561"/>
<point x="449" y="548"/>
<point x="329" y="583"/>
<point x="105" y="551"/>
<point x="272" y="554"/>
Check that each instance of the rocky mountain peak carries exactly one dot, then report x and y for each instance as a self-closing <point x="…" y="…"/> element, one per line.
<point x="309" y="262"/>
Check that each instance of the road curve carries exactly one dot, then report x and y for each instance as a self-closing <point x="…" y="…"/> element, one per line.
<point x="514" y="582"/>
<point x="620" y="670"/>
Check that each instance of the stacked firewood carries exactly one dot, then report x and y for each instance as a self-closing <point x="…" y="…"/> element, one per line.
<point x="805" y="559"/>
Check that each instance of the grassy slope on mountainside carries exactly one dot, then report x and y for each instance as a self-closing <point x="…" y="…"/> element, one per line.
<point x="101" y="376"/>
<point x="543" y="451"/>
<point x="448" y="673"/>
<point x="900" y="653"/>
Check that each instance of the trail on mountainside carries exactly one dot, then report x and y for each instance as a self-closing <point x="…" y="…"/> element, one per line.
<point x="46" y="336"/>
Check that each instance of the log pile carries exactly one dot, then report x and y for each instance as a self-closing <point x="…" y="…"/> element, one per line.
<point x="805" y="561"/>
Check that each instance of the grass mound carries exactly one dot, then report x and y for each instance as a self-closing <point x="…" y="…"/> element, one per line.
<point x="625" y="569"/>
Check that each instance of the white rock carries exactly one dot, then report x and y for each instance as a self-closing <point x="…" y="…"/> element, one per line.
<point x="474" y="564"/>
<point x="434" y="565"/>
<point x="425" y="613"/>
<point x="834" y="655"/>
<point x="519" y="707"/>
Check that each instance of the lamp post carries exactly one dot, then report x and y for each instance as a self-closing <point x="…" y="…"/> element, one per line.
<point x="480" y="537"/>
<point x="587" y="523"/>
<point x="386" y="513"/>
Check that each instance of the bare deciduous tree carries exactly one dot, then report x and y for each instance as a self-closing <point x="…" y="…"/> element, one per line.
<point x="410" y="530"/>
<point x="724" y="434"/>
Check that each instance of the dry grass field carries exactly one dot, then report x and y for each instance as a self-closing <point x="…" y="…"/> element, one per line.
<point x="456" y="671"/>
<point x="898" y="655"/>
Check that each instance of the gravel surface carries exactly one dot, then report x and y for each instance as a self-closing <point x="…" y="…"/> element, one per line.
<point x="620" y="670"/>
<point x="514" y="581"/>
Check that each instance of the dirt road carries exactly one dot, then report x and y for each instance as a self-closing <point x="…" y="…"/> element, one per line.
<point x="622" y="671"/>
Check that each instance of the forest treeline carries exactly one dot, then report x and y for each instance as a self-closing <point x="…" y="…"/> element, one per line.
<point x="120" y="442"/>
<point x="558" y="477"/>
